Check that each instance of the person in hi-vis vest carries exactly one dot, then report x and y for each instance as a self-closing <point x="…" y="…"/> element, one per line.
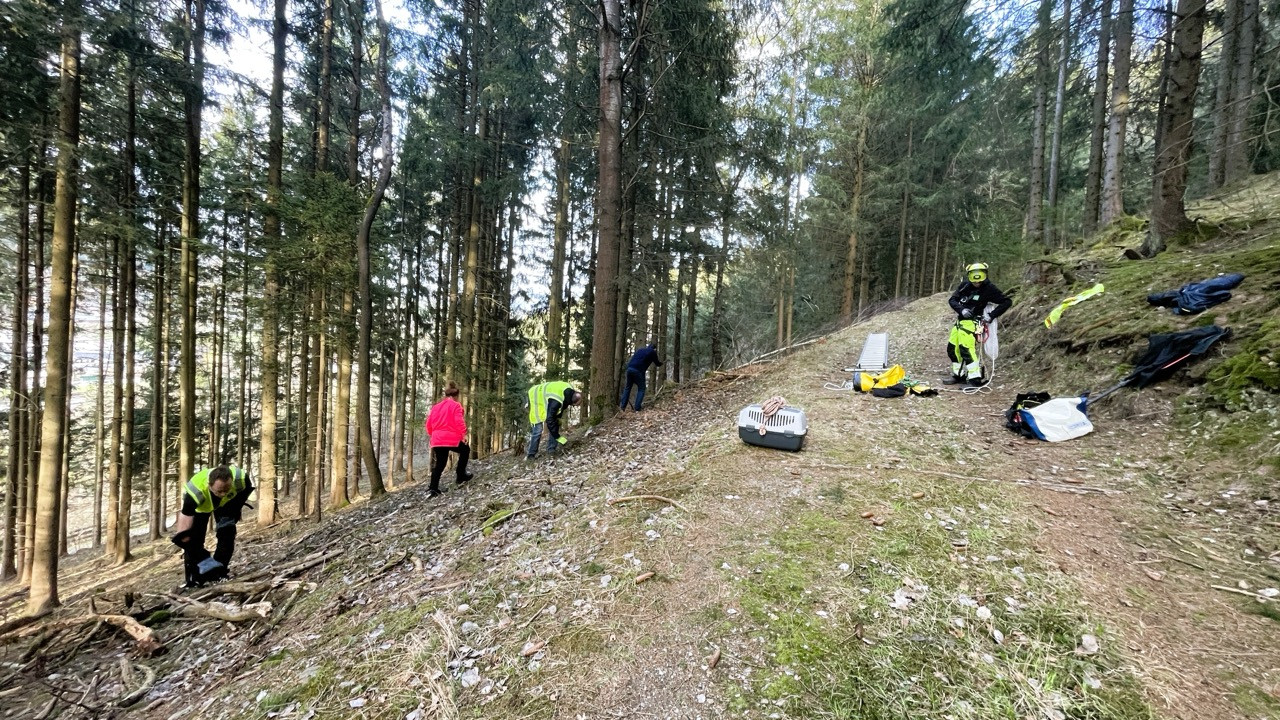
<point x="548" y="403"/>
<point x="222" y="493"/>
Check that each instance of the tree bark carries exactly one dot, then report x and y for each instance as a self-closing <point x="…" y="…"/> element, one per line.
<point x="603" y="379"/>
<point x="194" y="104"/>
<point x="855" y="218"/>
<point x="271" y="285"/>
<point x="1236" y="161"/>
<point x="15" y="471"/>
<point x="338" y="496"/>
<point x="158" y="362"/>
<point x="1055" y="150"/>
<point x="1168" y="213"/>
<point x="44" y="575"/>
<point x="1113" y="175"/>
<point x="377" y="489"/>
<point x="1098" y="126"/>
<point x="1035" y="203"/>
<point x="1222" y="105"/>
<point x="902" y="219"/>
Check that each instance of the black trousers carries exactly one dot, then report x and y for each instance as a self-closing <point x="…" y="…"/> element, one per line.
<point x="195" y="551"/>
<point x="440" y="457"/>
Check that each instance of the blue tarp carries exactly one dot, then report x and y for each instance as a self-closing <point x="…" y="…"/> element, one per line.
<point x="1197" y="297"/>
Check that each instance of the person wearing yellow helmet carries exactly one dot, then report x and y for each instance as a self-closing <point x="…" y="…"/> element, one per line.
<point x="977" y="300"/>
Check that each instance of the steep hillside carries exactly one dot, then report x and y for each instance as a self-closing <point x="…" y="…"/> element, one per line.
<point x="916" y="559"/>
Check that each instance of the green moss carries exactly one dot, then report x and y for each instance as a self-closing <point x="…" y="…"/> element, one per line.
<point x="1255" y="702"/>
<point x="1254" y="366"/>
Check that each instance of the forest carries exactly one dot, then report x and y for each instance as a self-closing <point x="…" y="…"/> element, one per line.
<point x="269" y="233"/>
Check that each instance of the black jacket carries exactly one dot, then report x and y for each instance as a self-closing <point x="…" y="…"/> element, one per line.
<point x="976" y="299"/>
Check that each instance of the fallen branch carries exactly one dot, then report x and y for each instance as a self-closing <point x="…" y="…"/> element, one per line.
<point x="250" y="584"/>
<point x="771" y="353"/>
<point x="20" y="622"/>
<point x="660" y="498"/>
<point x="1238" y="591"/>
<point x="386" y="567"/>
<point x="496" y="522"/>
<point x="145" y="637"/>
<point x="149" y="680"/>
<point x="277" y="617"/>
<point x="221" y="610"/>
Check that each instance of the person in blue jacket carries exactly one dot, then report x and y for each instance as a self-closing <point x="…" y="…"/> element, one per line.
<point x="636" y="369"/>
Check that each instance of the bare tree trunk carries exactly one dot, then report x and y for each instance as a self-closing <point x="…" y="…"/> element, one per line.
<point x="366" y="301"/>
<point x="692" y="297"/>
<point x="1168" y="213"/>
<point x="44" y="574"/>
<point x="555" y="307"/>
<point x="194" y="103"/>
<point x="1231" y="26"/>
<point x="603" y="376"/>
<point x="1236" y="163"/>
<point x="342" y="406"/>
<point x="1113" y="175"/>
<point x="271" y="284"/>
<point x="117" y="396"/>
<point x="305" y="394"/>
<point x="855" y="218"/>
<point x="99" y="451"/>
<point x="320" y="371"/>
<point x="27" y="505"/>
<point x="1055" y="150"/>
<point x="1035" y="203"/>
<point x="1098" y="126"/>
<point x="158" y="362"/>
<point x="15" y="472"/>
<point x="902" y="219"/>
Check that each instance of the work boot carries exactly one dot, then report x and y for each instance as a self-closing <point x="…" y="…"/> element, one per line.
<point x="434" y="493"/>
<point x="977" y="382"/>
<point x="465" y="478"/>
<point x="953" y="380"/>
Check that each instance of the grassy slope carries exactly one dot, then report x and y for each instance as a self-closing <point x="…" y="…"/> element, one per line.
<point x="997" y="568"/>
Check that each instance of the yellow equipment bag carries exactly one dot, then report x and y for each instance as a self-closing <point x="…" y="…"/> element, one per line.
<point x="867" y="381"/>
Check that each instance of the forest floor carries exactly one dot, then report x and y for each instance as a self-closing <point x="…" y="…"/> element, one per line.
<point x="1120" y="575"/>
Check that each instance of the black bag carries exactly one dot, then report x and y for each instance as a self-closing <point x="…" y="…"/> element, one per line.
<point x="1013" y="419"/>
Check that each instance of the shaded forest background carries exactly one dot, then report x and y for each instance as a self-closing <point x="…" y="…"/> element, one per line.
<point x="282" y="274"/>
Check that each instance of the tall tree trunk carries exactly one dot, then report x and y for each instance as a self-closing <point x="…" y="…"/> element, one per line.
<point x="1035" y="201"/>
<point x="1222" y="117"/>
<point x="1236" y="163"/>
<point x="556" y="365"/>
<point x="305" y="384"/>
<point x="1098" y="124"/>
<point x="677" y="337"/>
<point x="902" y="218"/>
<point x="15" y="471"/>
<point x="376" y="488"/>
<point x="128" y="271"/>
<point x="1113" y="175"/>
<point x="855" y="218"/>
<point x="271" y="284"/>
<point x="320" y="373"/>
<point x="158" y="362"/>
<point x="603" y="377"/>
<point x="117" y="395"/>
<point x="1055" y="149"/>
<point x="194" y="103"/>
<point x="1168" y="213"/>
<point x="692" y="298"/>
<point x="28" y="504"/>
<point x="65" y="496"/>
<point x="44" y="574"/>
<point x="342" y="406"/>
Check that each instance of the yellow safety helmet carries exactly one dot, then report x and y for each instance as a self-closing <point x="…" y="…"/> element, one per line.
<point x="976" y="272"/>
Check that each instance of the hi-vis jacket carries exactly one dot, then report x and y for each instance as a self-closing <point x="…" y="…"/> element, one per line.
<point x="197" y="488"/>
<point x="541" y="395"/>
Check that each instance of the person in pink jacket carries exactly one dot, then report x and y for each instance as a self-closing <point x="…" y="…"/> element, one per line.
<point x="447" y="426"/>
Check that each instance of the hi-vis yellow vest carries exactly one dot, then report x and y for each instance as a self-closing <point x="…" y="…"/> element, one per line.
<point x="540" y="394"/>
<point x="198" y="488"/>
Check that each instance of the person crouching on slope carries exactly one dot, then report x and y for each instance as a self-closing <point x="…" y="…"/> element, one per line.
<point x="548" y="403"/>
<point x="973" y="302"/>
<point x="221" y="492"/>
<point x="636" y="369"/>
<point x="446" y="425"/>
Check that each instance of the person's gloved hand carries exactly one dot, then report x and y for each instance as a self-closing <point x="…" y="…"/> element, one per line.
<point x="966" y="313"/>
<point x="986" y="317"/>
<point x="181" y="539"/>
<point x="562" y="440"/>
